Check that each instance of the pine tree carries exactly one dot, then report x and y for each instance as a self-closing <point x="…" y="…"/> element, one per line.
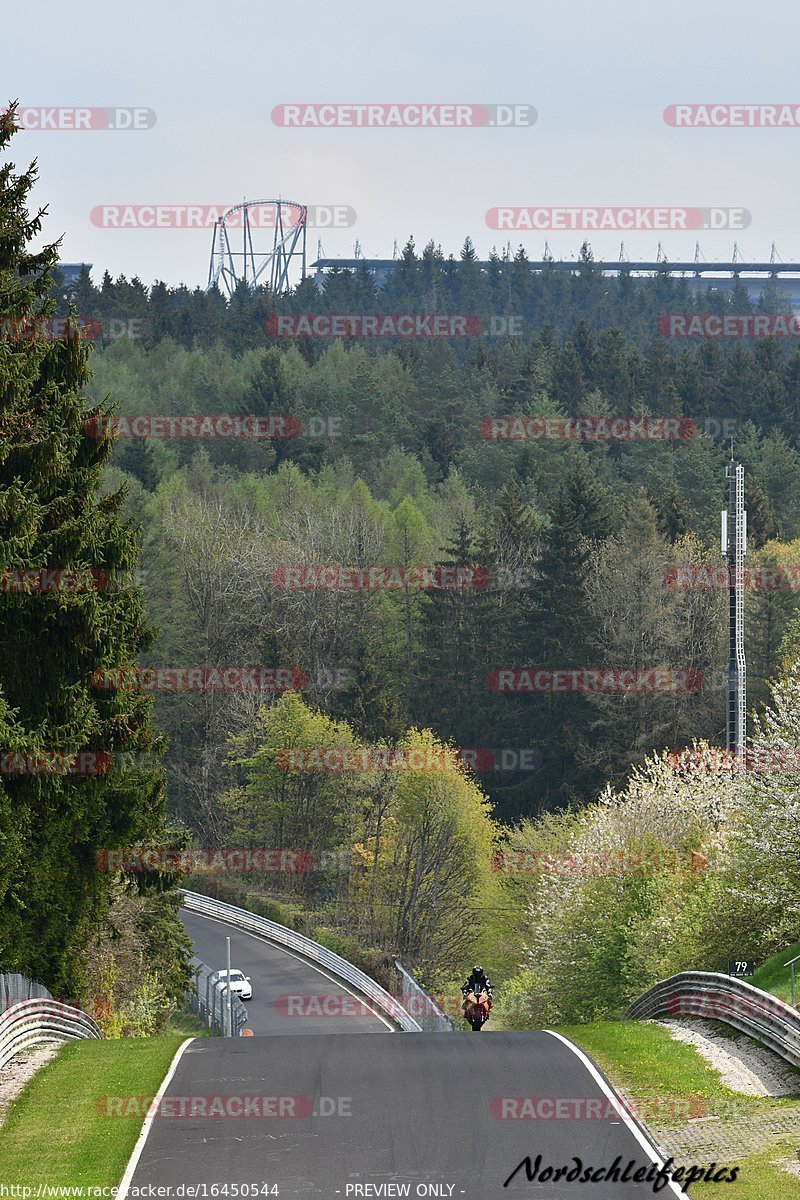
<point x="761" y="525"/>
<point x="452" y="694"/>
<point x="374" y="706"/>
<point x="84" y="294"/>
<point x="673" y="516"/>
<point x="53" y="516"/>
<point x="559" y="634"/>
<point x="508" y="551"/>
<point x="590" y="501"/>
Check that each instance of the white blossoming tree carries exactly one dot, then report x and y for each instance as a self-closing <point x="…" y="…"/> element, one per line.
<point x="623" y="900"/>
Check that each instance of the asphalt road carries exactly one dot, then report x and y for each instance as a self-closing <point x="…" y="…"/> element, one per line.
<point x="349" y="1115"/>
<point x="283" y="986"/>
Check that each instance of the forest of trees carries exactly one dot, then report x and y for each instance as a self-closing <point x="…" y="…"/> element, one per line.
<point x="577" y="540"/>
<point x="577" y="545"/>
<point x="581" y="546"/>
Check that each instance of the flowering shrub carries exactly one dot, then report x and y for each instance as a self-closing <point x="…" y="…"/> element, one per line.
<point x="596" y="940"/>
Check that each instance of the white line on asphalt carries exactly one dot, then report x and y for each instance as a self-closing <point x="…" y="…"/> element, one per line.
<point x="148" y="1121"/>
<point x="619" y="1106"/>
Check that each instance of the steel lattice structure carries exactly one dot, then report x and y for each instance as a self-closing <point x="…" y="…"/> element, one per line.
<point x="269" y="267"/>
<point x="734" y="548"/>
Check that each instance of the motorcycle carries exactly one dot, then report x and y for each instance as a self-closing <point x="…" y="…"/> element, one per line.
<point x="477" y="1006"/>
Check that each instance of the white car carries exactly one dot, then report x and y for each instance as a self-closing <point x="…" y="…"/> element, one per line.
<point x="240" y="984"/>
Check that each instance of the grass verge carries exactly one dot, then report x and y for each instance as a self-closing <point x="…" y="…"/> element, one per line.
<point x="760" y="1178"/>
<point x="56" y="1133"/>
<point x="649" y="1064"/>
<point x="659" y="1074"/>
<point x="772" y="976"/>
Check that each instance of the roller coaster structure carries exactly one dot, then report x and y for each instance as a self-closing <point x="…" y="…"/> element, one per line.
<point x="254" y="266"/>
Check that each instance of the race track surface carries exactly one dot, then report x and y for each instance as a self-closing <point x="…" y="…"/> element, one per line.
<point x="405" y="1115"/>
<point x="282" y="985"/>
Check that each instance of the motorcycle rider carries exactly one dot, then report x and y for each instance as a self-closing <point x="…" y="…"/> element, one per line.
<point x="477" y="983"/>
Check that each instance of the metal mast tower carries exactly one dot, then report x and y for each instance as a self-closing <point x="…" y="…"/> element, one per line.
<point x="284" y="219"/>
<point x="734" y="548"/>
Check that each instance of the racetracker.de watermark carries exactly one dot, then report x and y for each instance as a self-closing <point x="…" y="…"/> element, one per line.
<point x="381" y="758"/>
<point x="196" y="425"/>
<point x="55" y="762"/>
<point x="216" y="860"/>
<point x="50" y="329"/>
<point x="32" y="581"/>
<point x="338" y="578"/>
<point x="721" y="1005"/>
<point x="733" y="116"/>
<point x="224" y="860"/>
<point x="587" y="429"/>
<point x="403" y="116"/>
<point x="711" y="759"/>
<point x="235" y="1106"/>
<point x="688" y="576"/>
<point x="623" y="218"/>
<point x="602" y="862"/>
<point x="728" y="325"/>
<point x="597" y="1108"/>
<point x="47" y="118"/>
<point x="499" y="758"/>
<point x="344" y="1006"/>
<point x="365" y="758"/>
<point x="287" y="216"/>
<point x="200" y="679"/>
<point x="389" y="325"/>
<point x="29" y="581"/>
<point x="600" y="681"/>
<point x="339" y="1005"/>
<point x="69" y="329"/>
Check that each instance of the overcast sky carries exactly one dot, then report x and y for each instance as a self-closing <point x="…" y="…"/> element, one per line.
<point x="599" y="75"/>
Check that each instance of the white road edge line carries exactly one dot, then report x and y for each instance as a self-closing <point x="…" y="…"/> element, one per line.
<point x="259" y="937"/>
<point x="133" y="1161"/>
<point x="619" y="1106"/>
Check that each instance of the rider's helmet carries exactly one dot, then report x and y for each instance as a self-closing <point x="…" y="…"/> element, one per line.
<point x="477" y="971"/>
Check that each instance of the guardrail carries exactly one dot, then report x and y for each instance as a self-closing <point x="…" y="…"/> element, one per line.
<point x="208" y="1000"/>
<point x="33" y="1022"/>
<point x="291" y="940"/>
<point x="718" y="997"/>
<point x="422" y="1007"/>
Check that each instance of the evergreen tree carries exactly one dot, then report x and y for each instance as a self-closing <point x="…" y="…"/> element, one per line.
<point x="509" y="546"/>
<point x="559" y="634"/>
<point x="451" y="692"/>
<point x="590" y="501"/>
<point x="52" y="639"/>
<point x="761" y="525"/>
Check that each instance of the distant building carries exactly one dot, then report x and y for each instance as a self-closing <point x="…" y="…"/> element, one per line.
<point x="71" y="271"/>
<point x="379" y="268"/>
<point x="699" y="275"/>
